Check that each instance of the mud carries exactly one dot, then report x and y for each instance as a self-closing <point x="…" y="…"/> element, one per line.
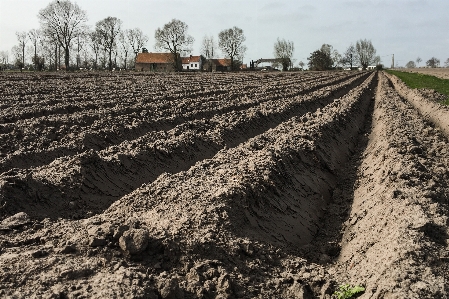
<point x="245" y="186"/>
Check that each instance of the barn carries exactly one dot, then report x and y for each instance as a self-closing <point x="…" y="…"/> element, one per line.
<point x="156" y="62"/>
<point x="217" y="65"/>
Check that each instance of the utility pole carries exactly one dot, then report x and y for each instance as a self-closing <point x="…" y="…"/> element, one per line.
<point x="392" y="62"/>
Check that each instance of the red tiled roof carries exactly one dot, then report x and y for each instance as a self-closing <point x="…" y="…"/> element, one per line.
<point x="195" y="58"/>
<point x="154" y="58"/>
<point x="186" y="60"/>
<point x="222" y="61"/>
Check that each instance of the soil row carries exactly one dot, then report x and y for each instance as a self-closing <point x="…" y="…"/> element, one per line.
<point x="287" y="199"/>
<point x="395" y="241"/>
<point x="29" y="141"/>
<point x="77" y="186"/>
<point x="121" y="97"/>
<point x="225" y="227"/>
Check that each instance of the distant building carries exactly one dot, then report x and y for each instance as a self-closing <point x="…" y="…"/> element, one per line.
<point x="217" y="65"/>
<point x="192" y="63"/>
<point x="156" y="62"/>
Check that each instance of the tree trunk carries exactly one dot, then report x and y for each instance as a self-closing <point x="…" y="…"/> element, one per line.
<point x="35" y="55"/>
<point x="23" y="55"/>
<point x="110" y="60"/>
<point x="232" y="63"/>
<point x="66" y="58"/>
<point x="59" y="57"/>
<point x="56" y="58"/>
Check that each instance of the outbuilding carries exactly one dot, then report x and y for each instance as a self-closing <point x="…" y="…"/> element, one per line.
<point x="156" y="62"/>
<point x="192" y="63"/>
<point x="218" y="65"/>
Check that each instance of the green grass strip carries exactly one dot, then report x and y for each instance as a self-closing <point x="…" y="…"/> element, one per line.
<point x="416" y="80"/>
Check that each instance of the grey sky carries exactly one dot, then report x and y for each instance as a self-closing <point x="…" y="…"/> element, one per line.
<point x="407" y="28"/>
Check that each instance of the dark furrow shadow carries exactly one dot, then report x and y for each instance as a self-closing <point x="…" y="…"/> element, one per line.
<point x="325" y="245"/>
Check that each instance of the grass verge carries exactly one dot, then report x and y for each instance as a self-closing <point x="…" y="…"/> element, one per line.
<point x="414" y="80"/>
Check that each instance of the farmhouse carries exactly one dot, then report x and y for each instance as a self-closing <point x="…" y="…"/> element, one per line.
<point x="193" y="63"/>
<point x="217" y="65"/>
<point x="156" y="62"/>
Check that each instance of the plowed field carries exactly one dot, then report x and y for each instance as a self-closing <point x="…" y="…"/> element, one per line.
<point x="278" y="185"/>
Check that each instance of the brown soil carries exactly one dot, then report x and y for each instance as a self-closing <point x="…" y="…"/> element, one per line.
<point x="442" y="73"/>
<point x="221" y="186"/>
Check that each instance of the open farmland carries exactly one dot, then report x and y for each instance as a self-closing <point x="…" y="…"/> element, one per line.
<point x="256" y="185"/>
<point x="442" y="73"/>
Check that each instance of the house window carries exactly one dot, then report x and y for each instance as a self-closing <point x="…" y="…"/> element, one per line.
<point x="196" y="64"/>
<point x="191" y="65"/>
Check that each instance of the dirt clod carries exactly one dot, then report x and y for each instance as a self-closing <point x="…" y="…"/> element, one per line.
<point x="134" y="241"/>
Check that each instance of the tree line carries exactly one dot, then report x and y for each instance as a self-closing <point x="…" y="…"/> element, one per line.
<point x="432" y="63"/>
<point x="361" y="54"/>
<point x="65" y="39"/>
<point x="65" y="36"/>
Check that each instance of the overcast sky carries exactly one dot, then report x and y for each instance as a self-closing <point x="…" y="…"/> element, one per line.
<point x="406" y="28"/>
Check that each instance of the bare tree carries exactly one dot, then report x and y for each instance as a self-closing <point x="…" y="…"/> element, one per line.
<point x="48" y="47"/>
<point x="433" y="62"/>
<point x="63" y="21"/>
<point x="410" y="65"/>
<point x="83" y="49"/>
<point x="137" y="40"/>
<point x="35" y="37"/>
<point x="22" y="39"/>
<point x="108" y="30"/>
<point x="301" y="64"/>
<point x="230" y="42"/>
<point x="95" y="44"/>
<point x="365" y="52"/>
<point x="208" y="47"/>
<point x="283" y="50"/>
<point x="4" y="57"/>
<point x="336" y="58"/>
<point x="173" y="37"/>
<point x="446" y="63"/>
<point x="377" y="60"/>
<point x="350" y="56"/>
<point x="124" y="46"/>
<point x="418" y="60"/>
<point x="17" y="54"/>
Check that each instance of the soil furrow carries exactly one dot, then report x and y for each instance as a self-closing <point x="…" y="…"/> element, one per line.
<point x="290" y="197"/>
<point x="97" y="100"/>
<point x="395" y="239"/>
<point x="106" y="130"/>
<point x="222" y="228"/>
<point x="102" y="138"/>
<point x="134" y="163"/>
